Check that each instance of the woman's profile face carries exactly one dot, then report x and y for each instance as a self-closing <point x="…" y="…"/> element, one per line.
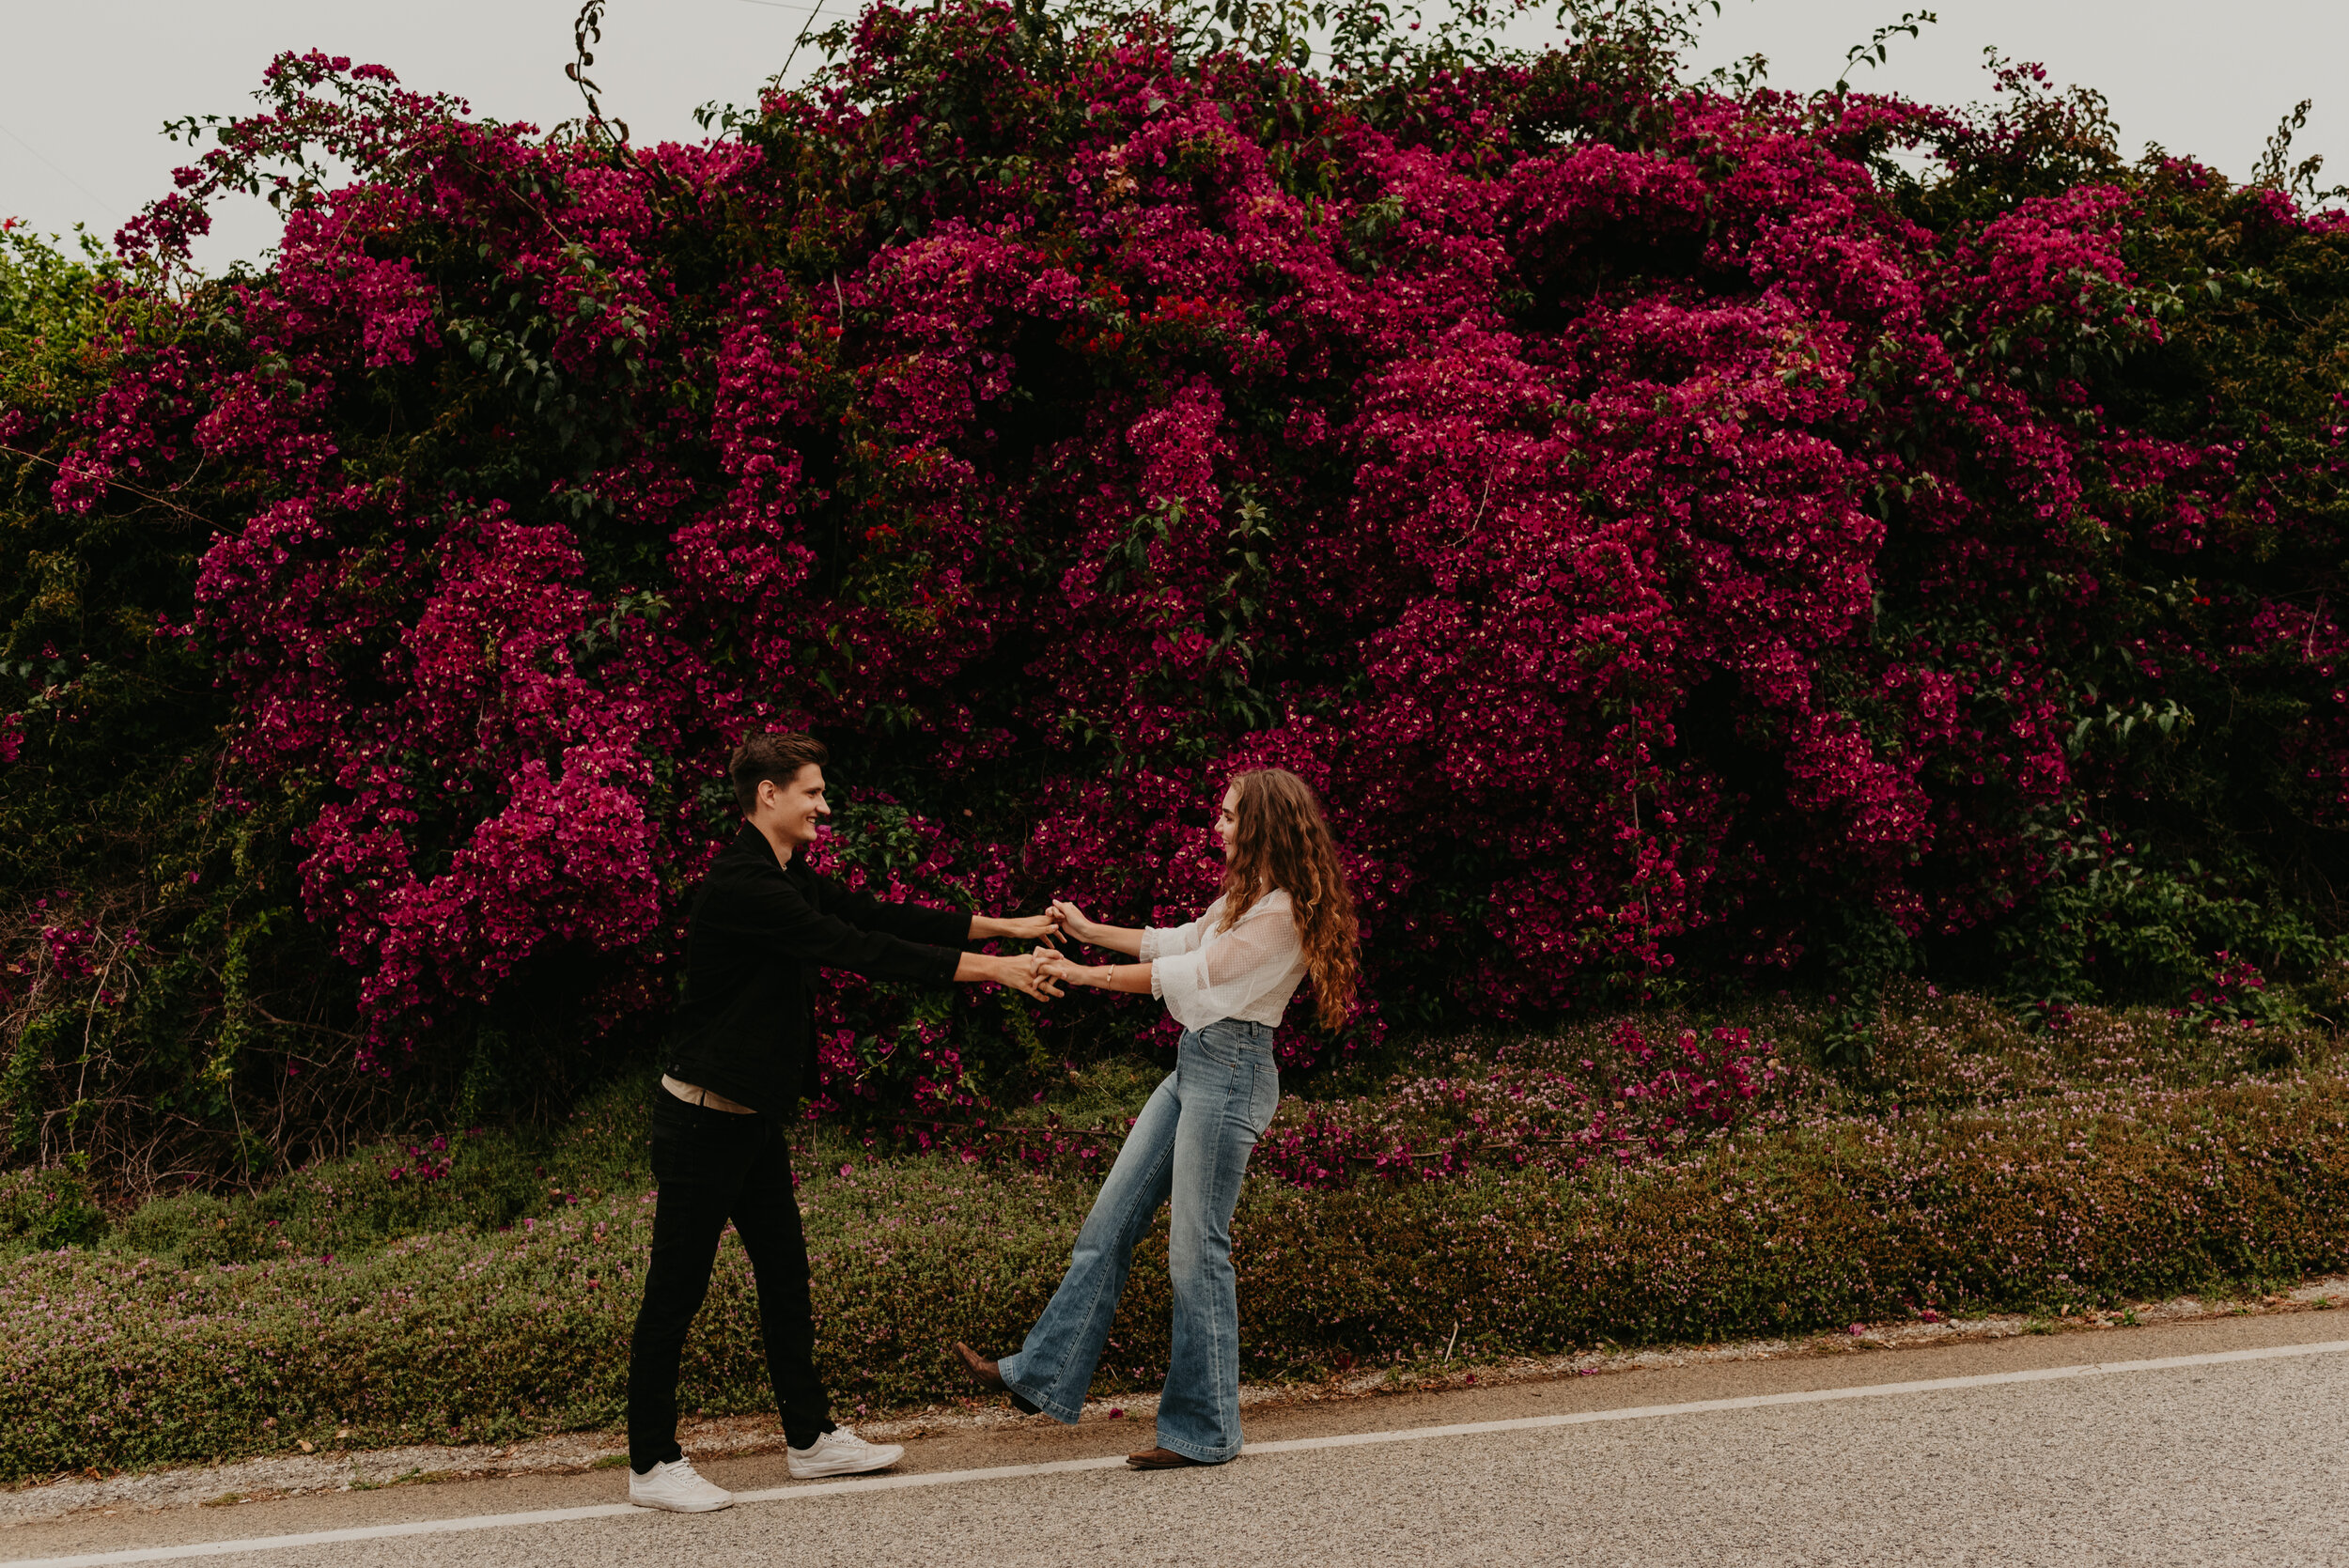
<point x="1227" y="821"/>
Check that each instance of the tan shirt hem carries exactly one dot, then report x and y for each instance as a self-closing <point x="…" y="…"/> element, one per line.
<point x="693" y="1093"/>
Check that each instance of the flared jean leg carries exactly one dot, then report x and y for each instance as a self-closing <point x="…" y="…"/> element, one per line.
<point x="1191" y="1142"/>
<point x="1230" y="1087"/>
<point x="1055" y="1367"/>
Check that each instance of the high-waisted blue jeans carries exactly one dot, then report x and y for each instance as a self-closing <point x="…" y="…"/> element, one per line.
<point x="1190" y="1144"/>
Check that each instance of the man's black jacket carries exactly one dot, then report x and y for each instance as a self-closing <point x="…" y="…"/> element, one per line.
<point x="758" y="934"/>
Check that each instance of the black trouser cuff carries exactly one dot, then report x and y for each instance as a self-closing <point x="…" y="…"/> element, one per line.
<point x="676" y="1452"/>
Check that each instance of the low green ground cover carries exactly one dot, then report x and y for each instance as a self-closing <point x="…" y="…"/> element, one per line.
<point x="483" y="1289"/>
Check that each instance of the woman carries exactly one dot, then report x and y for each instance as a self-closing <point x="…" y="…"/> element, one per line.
<point x="1284" y="913"/>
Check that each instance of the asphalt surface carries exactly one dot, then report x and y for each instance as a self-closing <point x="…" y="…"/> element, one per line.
<point x="2234" y="1463"/>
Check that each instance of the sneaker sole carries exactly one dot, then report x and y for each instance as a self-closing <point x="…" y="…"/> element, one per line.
<point x="819" y="1473"/>
<point x="681" y="1507"/>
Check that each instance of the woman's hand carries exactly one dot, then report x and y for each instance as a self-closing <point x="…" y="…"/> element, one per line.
<point x="1072" y="920"/>
<point x="1023" y="928"/>
<point x="1052" y="968"/>
<point x="1092" y="933"/>
<point x="1052" y="965"/>
<point x="1021" y="971"/>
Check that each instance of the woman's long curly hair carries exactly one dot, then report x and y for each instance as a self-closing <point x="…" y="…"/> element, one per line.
<point x="1285" y="841"/>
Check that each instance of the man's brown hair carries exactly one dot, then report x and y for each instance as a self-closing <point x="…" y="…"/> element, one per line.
<point x="779" y="757"/>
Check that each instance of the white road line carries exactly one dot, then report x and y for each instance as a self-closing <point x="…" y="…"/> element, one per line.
<point x="331" y="1537"/>
<point x="1808" y="1396"/>
<point x="1297" y="1445"/>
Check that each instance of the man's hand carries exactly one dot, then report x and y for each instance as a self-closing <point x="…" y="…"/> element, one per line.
<point x="1024" y="928"/>
<point x="1024" y="971"/>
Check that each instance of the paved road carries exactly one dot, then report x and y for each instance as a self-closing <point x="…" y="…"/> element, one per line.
<point x="2230" y="1462"/>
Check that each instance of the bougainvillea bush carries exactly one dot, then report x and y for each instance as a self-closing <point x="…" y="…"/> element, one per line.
<point x="1683" y="542"/>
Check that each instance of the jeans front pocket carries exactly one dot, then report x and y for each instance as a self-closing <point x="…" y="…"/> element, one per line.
<point x="1264" y="1092"/>
<point x="1213" y="1043"/>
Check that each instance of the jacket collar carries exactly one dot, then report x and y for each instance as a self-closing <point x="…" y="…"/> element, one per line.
<point x="751" y="842"/>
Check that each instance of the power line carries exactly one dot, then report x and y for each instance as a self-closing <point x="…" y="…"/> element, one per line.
<point x="85" y="190"/>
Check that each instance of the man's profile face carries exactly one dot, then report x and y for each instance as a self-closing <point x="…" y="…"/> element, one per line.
<point x="791" y="810"/>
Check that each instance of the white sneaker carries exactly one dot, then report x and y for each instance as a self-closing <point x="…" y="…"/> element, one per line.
<point x="841" y="1452"/>
<point x="676" y="1487"/>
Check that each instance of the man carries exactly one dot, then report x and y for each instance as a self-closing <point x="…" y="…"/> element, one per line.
<point x="739" y="1056"/>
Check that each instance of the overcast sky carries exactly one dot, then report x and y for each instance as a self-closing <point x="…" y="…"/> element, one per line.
<point x="84" y="85"/>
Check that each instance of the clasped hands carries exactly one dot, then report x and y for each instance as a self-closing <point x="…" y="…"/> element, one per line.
<point x="1042" y="971"/>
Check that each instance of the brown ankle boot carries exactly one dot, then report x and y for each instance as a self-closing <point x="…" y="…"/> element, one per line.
<point x="985" y="1374"/>
<point x="1158" y="1459"/>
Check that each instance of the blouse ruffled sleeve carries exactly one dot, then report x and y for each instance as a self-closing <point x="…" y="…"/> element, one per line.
<point x="1227" y="971"/>
<point x="1166" y="942"/>
<point x="1174" y="977"/>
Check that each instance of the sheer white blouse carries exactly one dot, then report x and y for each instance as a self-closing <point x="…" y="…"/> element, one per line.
<point x="1203" y="974"/>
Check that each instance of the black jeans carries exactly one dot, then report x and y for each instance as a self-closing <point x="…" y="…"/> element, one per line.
<point x="714" y="1165"/>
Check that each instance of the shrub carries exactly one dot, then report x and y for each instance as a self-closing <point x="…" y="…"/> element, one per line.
<point x="40" y="1210"/>
<point x="1647" y="1102"/>
<point x="426" y="1183"/>
<point x="108" y="1358"/>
